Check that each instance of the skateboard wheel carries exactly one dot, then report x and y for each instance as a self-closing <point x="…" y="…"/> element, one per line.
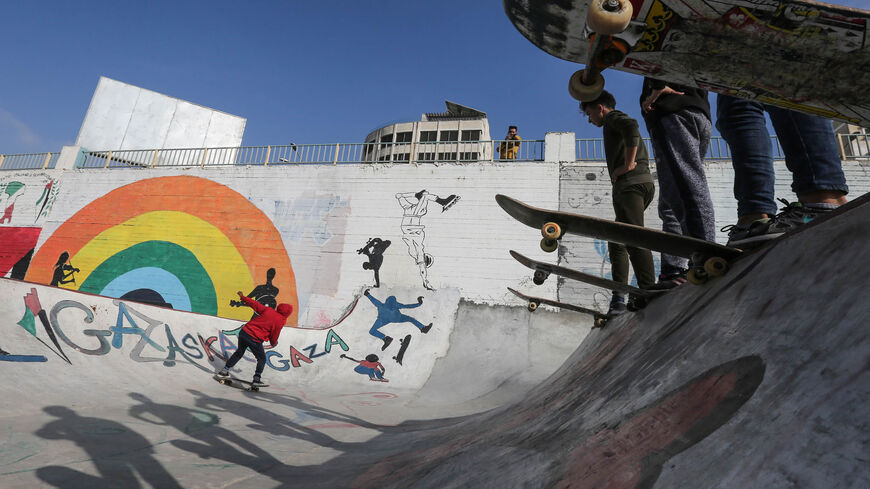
<point x="549" y="245"/>
<point x="540" y="277"/>
<point x="716" y="266"/>
<point x="697" y="276"/>
<point x="533" y="306"/>
<point x="608" y="16"/>
<point x="551" y="230"/>
<point x="583" y="92"/>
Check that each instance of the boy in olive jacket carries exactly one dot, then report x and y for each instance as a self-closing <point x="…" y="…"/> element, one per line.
<point x="633" y="189"/>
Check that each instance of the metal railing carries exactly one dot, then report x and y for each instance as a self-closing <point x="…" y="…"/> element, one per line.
<point x="28" y="161"/>
<point x="852" y="147"/>
<point x="855" y="146"/>
<point x="315" y="154"/>
<point x="593" y="149"/>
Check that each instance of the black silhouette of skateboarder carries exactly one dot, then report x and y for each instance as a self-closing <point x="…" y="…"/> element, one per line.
<point x="374" y="250"/>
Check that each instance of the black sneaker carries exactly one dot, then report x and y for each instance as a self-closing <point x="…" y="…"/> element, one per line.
<point x="258" y="383"/>
<point x="223" y="374"/>
<point x="617" y="306"/>
<point x="425" y="329"/>
<point x="387" y="341"/>
<point x="669" y="281"/>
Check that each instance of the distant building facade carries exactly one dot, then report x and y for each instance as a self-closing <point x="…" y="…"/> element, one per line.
<point x="854" y="140"/>
<point x="461" y="134"/>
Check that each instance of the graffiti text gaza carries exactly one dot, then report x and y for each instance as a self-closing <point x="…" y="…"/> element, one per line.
<point x="138" y="329"/>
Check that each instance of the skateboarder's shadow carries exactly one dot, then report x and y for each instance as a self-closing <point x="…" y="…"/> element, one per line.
<point x="116" y="462"/>
<point x="267" y="420"/>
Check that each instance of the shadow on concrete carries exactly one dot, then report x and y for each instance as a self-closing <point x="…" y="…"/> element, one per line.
<point x="117" y="452"/>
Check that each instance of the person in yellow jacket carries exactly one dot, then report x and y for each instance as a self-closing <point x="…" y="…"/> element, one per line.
<point x="507" y="150"/>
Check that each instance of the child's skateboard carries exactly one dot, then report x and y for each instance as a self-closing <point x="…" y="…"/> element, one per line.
<point x="543" y="271"/>
<point x="404" y="346"/>
<point x="238" y="383"/>
<point x="709" y="259"/>
<point x="534" y="302"/>
<point x="797" y="54"/>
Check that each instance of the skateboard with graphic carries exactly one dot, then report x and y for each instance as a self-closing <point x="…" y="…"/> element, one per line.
<point x="402" y="348"/>
<point x="543" y="271"/>
<point x="796" y="54"/>
<point x="535" y="302"/>
<point x="238" y="383"/>
<point x="709" y="259"/>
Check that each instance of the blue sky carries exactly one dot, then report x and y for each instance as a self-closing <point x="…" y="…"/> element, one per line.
<point x="302" y="71"/>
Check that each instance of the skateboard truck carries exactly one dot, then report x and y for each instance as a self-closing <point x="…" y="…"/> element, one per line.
<point x="612" y="34"/>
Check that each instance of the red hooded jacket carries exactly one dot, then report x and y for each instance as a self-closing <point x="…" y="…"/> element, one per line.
<point x="268" y="325"/>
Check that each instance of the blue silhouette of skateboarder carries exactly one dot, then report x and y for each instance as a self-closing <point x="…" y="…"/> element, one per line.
<point x="388" y="312"/>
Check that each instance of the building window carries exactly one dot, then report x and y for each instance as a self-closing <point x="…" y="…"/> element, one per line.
<point x="447" y="156"/>
<point x="402" y="157"/>
<point x="468" y="156"/>
<point x="449" y="136"/>
<point x="428" y="136"/>
<point x="425" y="156"/>
<point x="471" y="135"/>
<point x="384" y="158"/>
<point x="386" y="139"/>
<point x="403" y="137"/>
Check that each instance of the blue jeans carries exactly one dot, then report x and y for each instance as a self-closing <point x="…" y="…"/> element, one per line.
<point x="807" y="141"/>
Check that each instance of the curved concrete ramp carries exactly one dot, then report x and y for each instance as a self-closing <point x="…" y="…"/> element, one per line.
<point x="757" y="379"/>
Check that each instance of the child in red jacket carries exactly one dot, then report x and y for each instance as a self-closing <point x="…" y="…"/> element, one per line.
<point x="266" y="326"/>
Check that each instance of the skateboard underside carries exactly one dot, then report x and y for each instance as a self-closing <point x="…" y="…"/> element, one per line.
<point x="798" y="55"/>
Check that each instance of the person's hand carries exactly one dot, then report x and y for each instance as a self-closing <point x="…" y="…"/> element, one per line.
<point x="420" y="299"/>
<point x="240" y="294"/>
<point x="366" y="293"/>
<point x="342" y="356"/>
<point x="646" y="106"/>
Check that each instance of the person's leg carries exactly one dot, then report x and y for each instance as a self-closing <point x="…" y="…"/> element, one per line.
<point x="618" y="253"/>
<point x="260" y="354"/>
<point x="669" y="205"/>
<point x="402" y="318"/>
<point x="632" y="202"/>
<point x="375" y="331"/>
<point x="742" y="124"/>
<point x="688" y="137"/>
<point x="243" y="344"/>
<point x="811" y="154"/>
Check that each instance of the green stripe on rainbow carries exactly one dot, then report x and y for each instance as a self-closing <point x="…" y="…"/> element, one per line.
<point x="159" y="254"/>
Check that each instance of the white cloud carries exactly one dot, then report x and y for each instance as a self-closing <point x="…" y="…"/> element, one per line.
<point x="17" y="132"/>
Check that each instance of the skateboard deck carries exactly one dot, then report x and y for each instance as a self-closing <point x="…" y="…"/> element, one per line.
<point x="797" y="54"/>
<point x="534" y="302"/>
<point x="546" y="269"/>
<point x="709" y="258"/>
<point x="238" y="383"/>
<point x="404" y="346"/>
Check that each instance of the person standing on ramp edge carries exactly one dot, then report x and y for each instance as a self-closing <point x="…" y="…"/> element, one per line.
<point x="266" y="326"/>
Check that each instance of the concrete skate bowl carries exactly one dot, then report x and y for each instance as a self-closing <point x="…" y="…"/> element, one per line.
<point x="756" y="379"/>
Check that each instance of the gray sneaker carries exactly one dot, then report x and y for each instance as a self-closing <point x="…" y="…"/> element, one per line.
<point x="223" y="374"/>
<point x="792" y="216"/>
<point x="739" y="236"/>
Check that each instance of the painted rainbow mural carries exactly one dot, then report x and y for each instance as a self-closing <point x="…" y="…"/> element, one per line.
<point x="182" y="241"/>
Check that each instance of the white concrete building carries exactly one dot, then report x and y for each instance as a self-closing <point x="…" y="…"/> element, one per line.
<point x="461" y="134"/>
